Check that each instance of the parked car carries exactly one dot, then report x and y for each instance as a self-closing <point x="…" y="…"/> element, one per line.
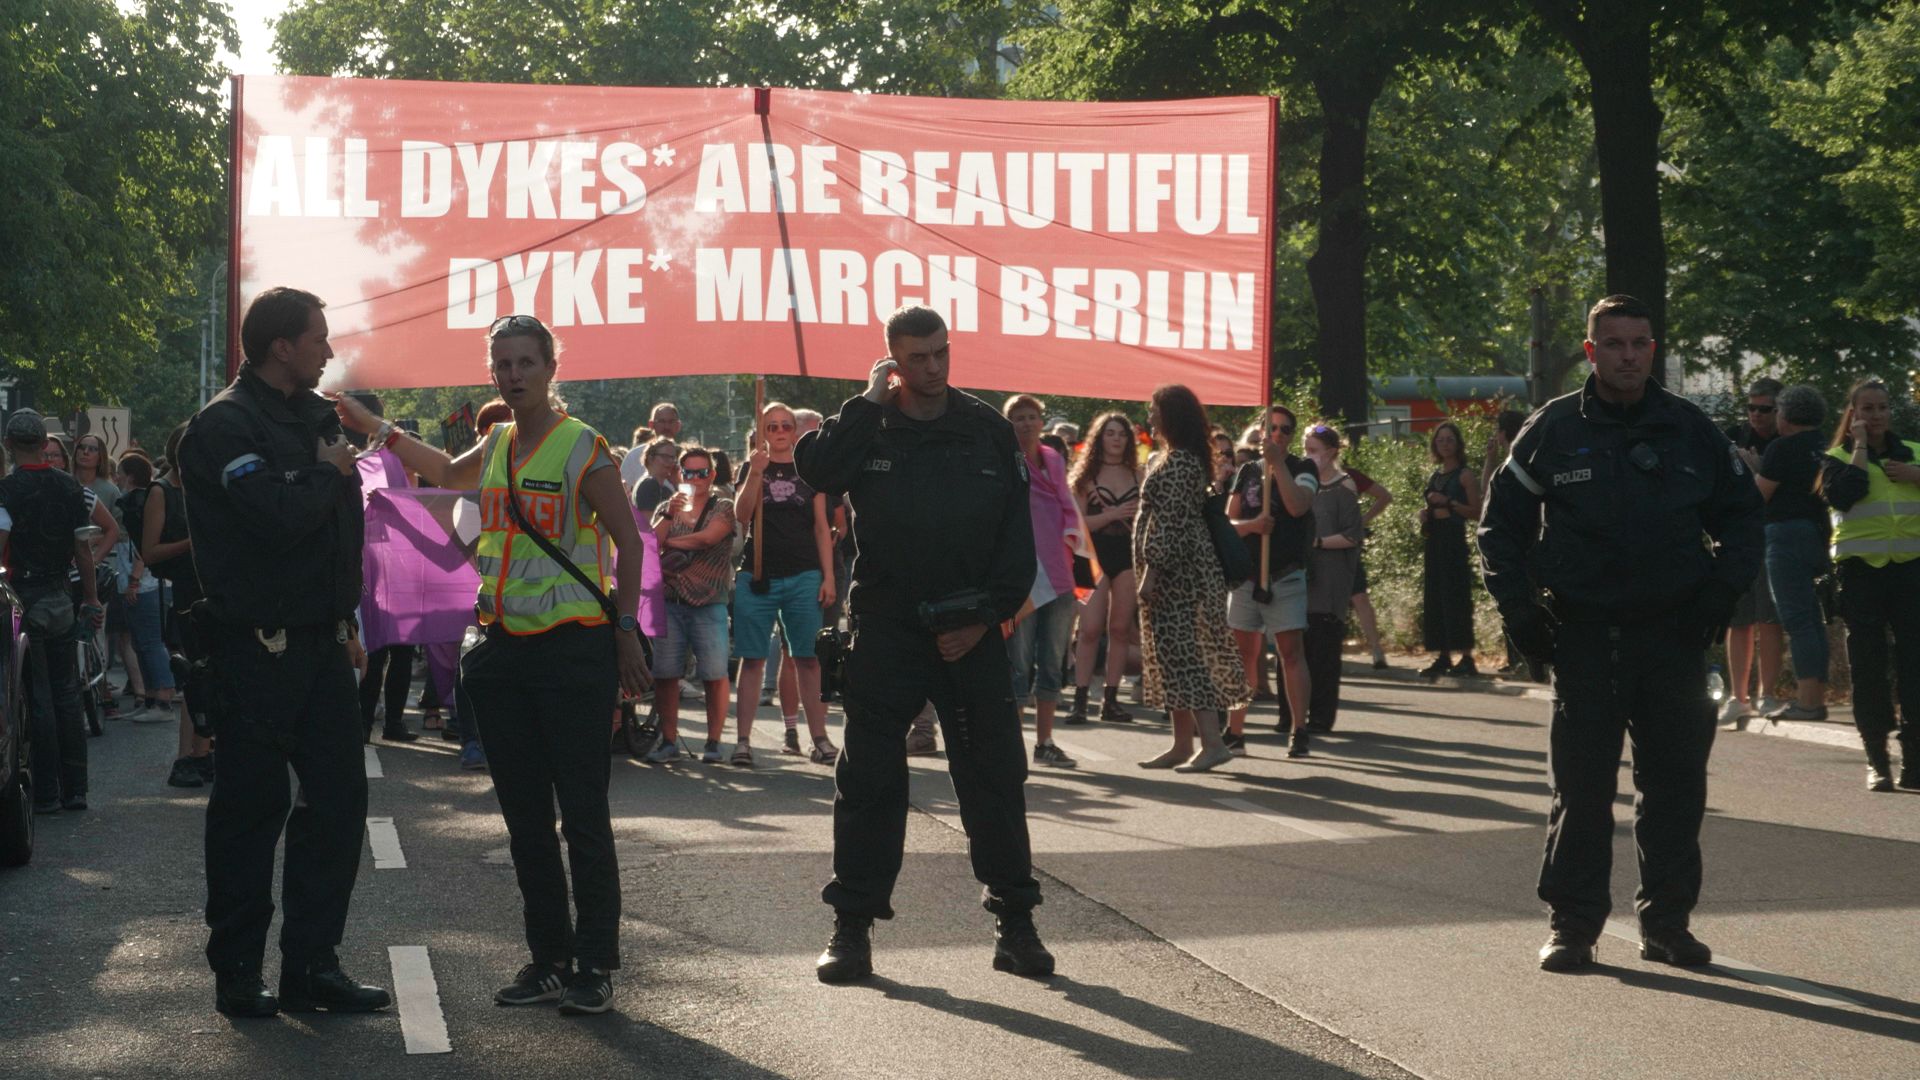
<point x="16" y="777"/>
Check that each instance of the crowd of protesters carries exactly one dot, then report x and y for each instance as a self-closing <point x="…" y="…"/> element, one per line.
<point x="1166" y="549"/>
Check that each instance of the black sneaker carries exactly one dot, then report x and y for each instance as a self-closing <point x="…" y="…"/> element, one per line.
<point x="589" y="992"/>
<point x="1565" y="952"/>
<point x="1236" y="744"/>
<point x="398" y="733"/>
<point x="1048" y="754"/>
<point x="186" y="773"/>
<point x="1677" y="947"/>
<point x="1297" y="746"/>
<point x="792" y="745"/>
<point x="534" y="984"/>
<point x="204" y="763"/>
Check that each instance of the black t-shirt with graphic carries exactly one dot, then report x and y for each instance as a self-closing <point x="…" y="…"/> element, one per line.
<point x="1292" y="536"/>
<point x="786" y="524"/>
<point x="44" y="507"/>
<point x="1793" y="462"/>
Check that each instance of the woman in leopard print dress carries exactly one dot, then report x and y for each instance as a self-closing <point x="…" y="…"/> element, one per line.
<point x="1191" y="667"/>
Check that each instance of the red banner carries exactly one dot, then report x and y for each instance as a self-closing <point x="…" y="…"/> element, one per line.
<point x="1090" y="249"/>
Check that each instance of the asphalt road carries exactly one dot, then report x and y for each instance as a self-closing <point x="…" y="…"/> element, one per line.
<point x="1365" y="913"/>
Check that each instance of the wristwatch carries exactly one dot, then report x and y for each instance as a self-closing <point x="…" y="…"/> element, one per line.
<point x="628" y="623"/>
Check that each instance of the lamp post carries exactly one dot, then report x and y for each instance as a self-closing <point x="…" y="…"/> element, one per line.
<point x="212" y="333"/>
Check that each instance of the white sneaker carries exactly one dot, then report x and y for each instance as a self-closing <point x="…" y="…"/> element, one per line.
<point x="1766" y="705"/>
<point x="1733" y="711"/>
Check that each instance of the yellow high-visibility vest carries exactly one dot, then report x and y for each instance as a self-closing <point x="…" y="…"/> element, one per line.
<point x="520" y="587"/>
<point x="1883" y="527"/>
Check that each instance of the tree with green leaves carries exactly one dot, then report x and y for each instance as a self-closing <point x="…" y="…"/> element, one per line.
<point x="112" y="143"/>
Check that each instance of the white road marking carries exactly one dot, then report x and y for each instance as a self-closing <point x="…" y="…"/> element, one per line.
<point x="1311" y="828"/>
<point x="1081" y="753"/>
<point x="385" y="841"/>
<point x="421" y="1020"/>
<point x="374" y="771"/>
<point x="1845" y="738"/>
<point x="1786" y="984"/>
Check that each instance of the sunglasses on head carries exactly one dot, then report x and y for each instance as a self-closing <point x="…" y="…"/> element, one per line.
<point x="1762" y="409"/>
<point x="697" y="474"/>
<point x="513" y="322"/>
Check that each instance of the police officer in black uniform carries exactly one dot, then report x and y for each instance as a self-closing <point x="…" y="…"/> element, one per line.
<point x="1607" y="504"/>
<point x="943" y="555"/>
<point x="274" y="513"/>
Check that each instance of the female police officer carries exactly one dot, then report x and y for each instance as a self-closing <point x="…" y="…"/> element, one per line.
<point x="546" y="678"/>
<point x="1605" y="503"/>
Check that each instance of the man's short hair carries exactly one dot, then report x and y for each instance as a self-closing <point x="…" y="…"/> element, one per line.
<point x="26" y="429"/>
<point x="1802" y="406"/>
<point x="655" y="411"/>
<point x="913" y="320"/>
<point x="1510" y="421"/>
<point x="1619" y="304"/>
<point x="280" y="312"/>
<point x="1765" y="386"/>
<point x="1066" y="429"/>
<point x="642" y="435"/>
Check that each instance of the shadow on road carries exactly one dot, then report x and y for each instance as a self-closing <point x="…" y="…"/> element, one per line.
<point x="1199" y="1047"/>
<point x="1740" y="995"/>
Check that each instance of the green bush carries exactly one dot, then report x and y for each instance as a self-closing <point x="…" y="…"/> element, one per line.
<point x="1395" y="569"/>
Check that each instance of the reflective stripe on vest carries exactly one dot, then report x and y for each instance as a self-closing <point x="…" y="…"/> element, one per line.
<point x="1884" y="526"/>
<point x="521" y="587"/>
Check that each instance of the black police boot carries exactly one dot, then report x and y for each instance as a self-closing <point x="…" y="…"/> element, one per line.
<point x="1017" y="948"/>
<point x="849" y="955"/>
<point x="394" y="732"/>
<point x="1675" y="946"/>
<point x="243" y="995"/>
<point x="1566" y="951"/>
<point x="1879" y="766"/>
<point x="323" y="986"/>
<point x="1078" y="714"/>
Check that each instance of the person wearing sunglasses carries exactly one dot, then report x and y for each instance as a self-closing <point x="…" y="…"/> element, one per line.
<point x="1271" y="507"/>
<point x="661" y="457"/>
<point x="1633" y="514"/>
<point x="786" y="573"/>
<point x="553" y="658"/>
<point x="695" y="530"/>
<point x="1756" y="632"/>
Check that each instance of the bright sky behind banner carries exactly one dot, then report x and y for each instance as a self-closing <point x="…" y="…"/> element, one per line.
<point x="1074" y="248"/>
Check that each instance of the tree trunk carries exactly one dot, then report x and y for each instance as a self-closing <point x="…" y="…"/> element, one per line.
<point x="1626" y="134"/>
<point x="1337" y="271"/>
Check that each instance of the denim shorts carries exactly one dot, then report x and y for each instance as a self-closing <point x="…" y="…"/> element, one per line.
<point x="1286" y="611"/>
<point x="700" y="629"/>
<point x="794" y="599"/>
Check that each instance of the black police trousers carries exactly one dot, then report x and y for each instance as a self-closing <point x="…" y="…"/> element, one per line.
<point x="892" y="669"/>
<point x="1647" y="682"/>
<point x="296" y="709"/>
<point x="1874" y="601"/>
<point x="544" y="706"/>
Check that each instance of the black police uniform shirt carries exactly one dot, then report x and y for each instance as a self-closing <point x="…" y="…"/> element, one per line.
<point x="1793" y="462"/>
<point x="43" y="507"/>
<point x="1292" y="536"/>
<point x="939" y="506"/>
<point x="1743" y="436"/>
<point x="786" y="520"/>
<point x="277" y="533"/>
<point x="1611" y="508"/>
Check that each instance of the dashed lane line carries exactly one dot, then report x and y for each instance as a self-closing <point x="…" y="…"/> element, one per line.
<point x="1786" y="984"/>
<point x="422" y="1022"/>
<point x="374" y="771"/>
<point x="1311" y="828"/>
<point x="385" y="841"/>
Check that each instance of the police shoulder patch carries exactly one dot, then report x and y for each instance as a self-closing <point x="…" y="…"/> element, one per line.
<point x="1739" y="463"/>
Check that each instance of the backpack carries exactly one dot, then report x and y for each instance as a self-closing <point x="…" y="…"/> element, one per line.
<point x="173" y="527"/>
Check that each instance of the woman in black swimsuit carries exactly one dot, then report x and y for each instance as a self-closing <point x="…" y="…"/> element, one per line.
<point x="1106" y="483"/>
